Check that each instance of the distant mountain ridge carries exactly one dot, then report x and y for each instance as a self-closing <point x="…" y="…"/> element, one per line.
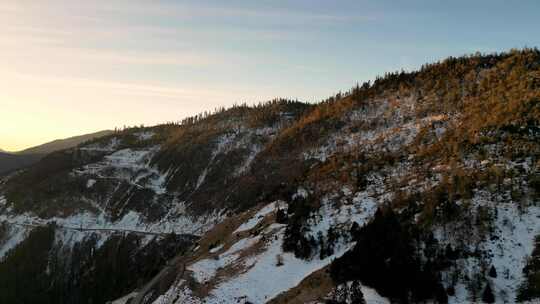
<point x="66" y="143"/>
<point x="10" y="161"/>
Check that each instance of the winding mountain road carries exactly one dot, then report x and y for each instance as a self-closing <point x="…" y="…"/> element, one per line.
<point x="95" y="229"/>
<point x="175" y="266"/>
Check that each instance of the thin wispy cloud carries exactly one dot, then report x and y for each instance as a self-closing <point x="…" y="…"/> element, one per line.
<point x="277" y="15"/>
<point x="136" y="89"/>
<point x="196" y="10"/>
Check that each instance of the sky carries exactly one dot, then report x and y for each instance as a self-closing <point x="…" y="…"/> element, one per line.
<point x="70" y="67"/>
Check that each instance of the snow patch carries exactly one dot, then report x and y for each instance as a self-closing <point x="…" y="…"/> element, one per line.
<point x="515" y="233"/>
<point x="254" y="286"/>
<point x="361" y="210"/>
<point x="130" y="222"/>
<point x="14" y="236"/>
<point x="242" y="245"/>
<point x="216" y="249"/>
<point x="373" y="297"/>
<point x="130" y="165"/>
<point x="259" y="216"/>
<point x="301" y="192"/>
<point x="206" y="269"/>
<point x="145" y="135"/>
<point x="90" y="183"/>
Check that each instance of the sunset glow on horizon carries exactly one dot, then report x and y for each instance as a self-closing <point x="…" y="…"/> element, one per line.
<point x="76" y="67"/>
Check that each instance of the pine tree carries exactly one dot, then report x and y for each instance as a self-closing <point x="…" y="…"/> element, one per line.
<point x="440" y="294"/>
<point x="281" y="216"/>
<point x="332" y="237"/>
<point x="355" y="293"/>
<point x="493" y="272"/>
<point x="279" y="260"/>
<point x="340" y="295"/>
<point x="321" y="243"/>
<point x="487" y="295"/>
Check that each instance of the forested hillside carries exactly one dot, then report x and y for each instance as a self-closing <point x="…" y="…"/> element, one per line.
<point x="420" y="186"/>
<point x="10" y="162"/>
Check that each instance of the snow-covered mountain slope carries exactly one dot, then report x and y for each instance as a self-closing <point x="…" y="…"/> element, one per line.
<point x="421" y="187"/>
<point x="250" y="265"/>
<point x="506" y="248"/>
<point x="139" y="185"/>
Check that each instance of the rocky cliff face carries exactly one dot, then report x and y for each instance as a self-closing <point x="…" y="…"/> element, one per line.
<point x="420" y="186"/>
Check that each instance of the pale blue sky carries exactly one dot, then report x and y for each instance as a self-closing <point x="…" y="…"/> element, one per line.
<point x="70" y="67"/>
